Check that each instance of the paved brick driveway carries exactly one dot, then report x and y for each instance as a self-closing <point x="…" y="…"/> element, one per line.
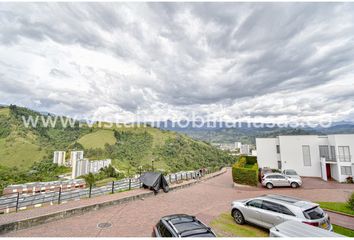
<point x="206" y="200"/>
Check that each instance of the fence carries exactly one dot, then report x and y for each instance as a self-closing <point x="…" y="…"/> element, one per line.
<point x="17" y="201"/>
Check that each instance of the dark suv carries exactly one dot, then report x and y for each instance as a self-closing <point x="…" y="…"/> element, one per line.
<point x="181" y="225"/>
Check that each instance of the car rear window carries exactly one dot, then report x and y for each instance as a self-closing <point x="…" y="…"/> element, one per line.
<point x="314" y="213"/>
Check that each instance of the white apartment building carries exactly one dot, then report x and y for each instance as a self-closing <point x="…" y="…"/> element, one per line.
<point x="76" y="155"/>
<point x="327" y="157"/>
<point x="84" y="166"/>
<point x="238" y="145"/>
<point x="59" y="157"/>
<point x="245" y="149"/>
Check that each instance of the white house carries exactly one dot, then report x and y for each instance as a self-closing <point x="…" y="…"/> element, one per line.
<point x="327" y="157"/>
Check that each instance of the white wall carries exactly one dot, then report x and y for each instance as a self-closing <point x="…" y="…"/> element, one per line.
<point x="292" y="156"/>
<point x="266" y="152"/>
<point x="334" y="172"/>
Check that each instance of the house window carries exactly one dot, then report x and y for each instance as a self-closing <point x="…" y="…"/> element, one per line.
<point x="324" y="152"/>
<point x="278" y="149"/>
<point x="333" y="153"/>
<point x="306" y="155"/>
<point x="345" y="170"/>
<point x="279" y="164"/>
<point x="344" y="154"/>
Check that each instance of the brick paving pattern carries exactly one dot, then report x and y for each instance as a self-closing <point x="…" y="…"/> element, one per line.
<point x="206" y="200"/>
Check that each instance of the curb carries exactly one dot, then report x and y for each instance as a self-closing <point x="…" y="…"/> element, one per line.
<point x="31" y="222"/>
<point x="339" y="213"/>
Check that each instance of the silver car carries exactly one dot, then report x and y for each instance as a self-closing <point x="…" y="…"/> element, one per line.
<point x="270" y="210"/>
<point x="271" y="180"/>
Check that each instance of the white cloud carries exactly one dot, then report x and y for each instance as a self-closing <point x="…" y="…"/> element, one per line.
<point x="269" y="62"/>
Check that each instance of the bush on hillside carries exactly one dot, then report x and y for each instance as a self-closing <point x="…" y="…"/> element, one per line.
<point x="242" y="175"/>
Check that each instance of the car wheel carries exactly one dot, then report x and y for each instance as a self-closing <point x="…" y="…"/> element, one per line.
<point x="238" y="217"/>
<point x="269" y="185"/>
<point x="294" y="185"/>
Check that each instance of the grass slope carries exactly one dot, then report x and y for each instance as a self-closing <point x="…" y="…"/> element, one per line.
<point x="19" y="153"/>
<point x="97" y="139"/>
<point x="4" y="111"/>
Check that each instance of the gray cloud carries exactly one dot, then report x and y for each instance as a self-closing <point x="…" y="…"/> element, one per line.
<point x="265" y="59"/>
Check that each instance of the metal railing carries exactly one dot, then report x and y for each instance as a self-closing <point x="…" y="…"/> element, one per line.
<point x="16" y="201"/>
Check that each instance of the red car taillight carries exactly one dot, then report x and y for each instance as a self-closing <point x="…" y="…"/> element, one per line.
<point x="316" y="224"/>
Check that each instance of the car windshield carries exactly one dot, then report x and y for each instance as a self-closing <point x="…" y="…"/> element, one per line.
<point x="290" y="172"/>
<point x="314" y="213"/>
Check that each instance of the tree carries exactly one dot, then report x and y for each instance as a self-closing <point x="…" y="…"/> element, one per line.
<point x="90" y="181"/>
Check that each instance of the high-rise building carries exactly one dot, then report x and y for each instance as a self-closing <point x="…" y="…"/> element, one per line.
<point x="76" y="155"/>
<point x="59" y="157"/>
<point x="245" y="149"/>
<point x="238" y="145"/>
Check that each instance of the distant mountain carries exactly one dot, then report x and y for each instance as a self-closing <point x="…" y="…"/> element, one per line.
<point x="243" y="132"/>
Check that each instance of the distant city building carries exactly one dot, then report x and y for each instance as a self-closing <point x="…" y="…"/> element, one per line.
<point x="59" y="157"/>
<point x="254" y="152"/>
<point x="40" y="187"/>
<point x="84" y="166"/>
<point x="245" y="149"/>
<point x="238" y="145"/>
<point x="76" y="155"/>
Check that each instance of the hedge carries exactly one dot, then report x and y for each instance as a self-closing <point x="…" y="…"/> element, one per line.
<point x="248" y="176"/>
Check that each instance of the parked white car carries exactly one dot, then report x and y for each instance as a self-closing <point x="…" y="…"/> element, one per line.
<point x="270" y="210"/>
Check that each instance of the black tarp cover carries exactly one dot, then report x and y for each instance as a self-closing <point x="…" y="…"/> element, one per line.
<point x="154" y="180"/>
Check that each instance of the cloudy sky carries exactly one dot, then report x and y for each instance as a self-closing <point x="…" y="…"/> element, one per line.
<point x="266" y="62"/>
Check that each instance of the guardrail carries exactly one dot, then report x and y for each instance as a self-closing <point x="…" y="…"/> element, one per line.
<point x="15" y="202"/>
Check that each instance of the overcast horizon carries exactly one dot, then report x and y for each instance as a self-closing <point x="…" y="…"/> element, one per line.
<point x="265" y="62"/>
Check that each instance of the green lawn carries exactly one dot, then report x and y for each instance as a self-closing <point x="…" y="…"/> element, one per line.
<point x="344" y="231"/>
<point x="225" y="226"/>
<point x="97" y="139"/>
<point x="337" y="206"/>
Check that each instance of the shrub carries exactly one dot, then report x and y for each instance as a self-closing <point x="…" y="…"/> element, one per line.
<point x="251" y="160"/>
<point x="243" y="175"/>
<point x="351" y="201"/>
<point x="349" y="179"/>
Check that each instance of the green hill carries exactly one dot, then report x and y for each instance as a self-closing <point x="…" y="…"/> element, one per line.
<point x="23" y="149"/>
<point x="97" y="139"/>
